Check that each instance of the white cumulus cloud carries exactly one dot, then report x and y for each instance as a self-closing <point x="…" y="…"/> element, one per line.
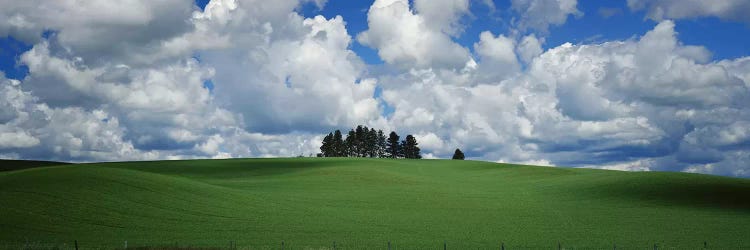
<point x="417" y="42"/>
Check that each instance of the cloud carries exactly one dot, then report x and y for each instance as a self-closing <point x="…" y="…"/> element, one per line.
<point x="432" y="143"/>
<point x="290" y="74"/>
<point x="443" y="15"/>
<point x="421" y="40"/>
<point x="638" y="165"/>
<point x="17" y="140"/>
<point x="497" y="54"/>
<point x="59" y="133"/>
<point x="100" y="31"/>
<point x="541" y="14"/>
<point x="529" y="47"/>
<point x="151" y="103"/>
<point x="734" y="10"/>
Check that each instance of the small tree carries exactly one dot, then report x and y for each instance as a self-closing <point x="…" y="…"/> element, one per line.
<point x="458" y="155"/>
<point x="410" y="148"/>
<point x="327" y="149"/>
<point x="392" y="147"/>
<point x="372" y="143"/>
<point x="382" y="144"/>
<point x="351" y="144"/>
<point x="359" y="140"/>
<point x="339" y="149"/>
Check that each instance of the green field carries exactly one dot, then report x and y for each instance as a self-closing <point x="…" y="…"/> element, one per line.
<point x="308" y="203"/>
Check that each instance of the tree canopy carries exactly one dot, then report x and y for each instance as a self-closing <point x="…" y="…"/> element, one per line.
<point x="368" y="142"/>
<point x="409" y="148"/>
<point x="393" y="147"/>
<point x="458" y="155"/>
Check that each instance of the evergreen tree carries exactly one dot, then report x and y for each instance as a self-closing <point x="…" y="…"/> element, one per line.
<point x="326" y="149"/>
<point x="349" y="144"/>
<point x="458" y="155"/>
<point x="416" y="151"/>
<point x="368" y="142"/>
<point x="372" y="143"/>
<point x="365" y="142"/>
<point x="393" y="147"/>
<point x="338" y="145"/>
<point x="410" y="148"/>
<point x="381" y="144"/>
<point x="401" y="152"/>
<point x="359" y="136"/>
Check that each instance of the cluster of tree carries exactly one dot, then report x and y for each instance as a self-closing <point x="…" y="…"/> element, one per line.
<point x="366" y="142"/>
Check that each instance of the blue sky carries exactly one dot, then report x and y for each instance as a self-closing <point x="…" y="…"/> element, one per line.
<point x="637" y="85"/>
<point x="10" y="49"/>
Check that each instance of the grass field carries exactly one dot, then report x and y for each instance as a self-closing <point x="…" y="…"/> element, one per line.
<point x="363" y="203"/>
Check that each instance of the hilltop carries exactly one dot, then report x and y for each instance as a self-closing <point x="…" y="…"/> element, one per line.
<point x="364" y="203"/>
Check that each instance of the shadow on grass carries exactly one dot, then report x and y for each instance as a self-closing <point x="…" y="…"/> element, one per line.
<point x="704" y="192"/>
<point x="10" y="165"/>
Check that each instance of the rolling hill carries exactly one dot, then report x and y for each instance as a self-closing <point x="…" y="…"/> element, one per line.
<point x="310" y="203"/>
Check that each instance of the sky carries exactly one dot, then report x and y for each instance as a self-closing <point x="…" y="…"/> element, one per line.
<point x="636" y="85"/>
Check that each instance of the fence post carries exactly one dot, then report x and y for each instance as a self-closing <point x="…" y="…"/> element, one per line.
<point x="445" y="245"/>
<point x="705" y="245"/>
<point x="76" y="243"/>
<point x="502" y="245"/>
<point x="282" y="245"/>
<point x="559" y="247"/>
